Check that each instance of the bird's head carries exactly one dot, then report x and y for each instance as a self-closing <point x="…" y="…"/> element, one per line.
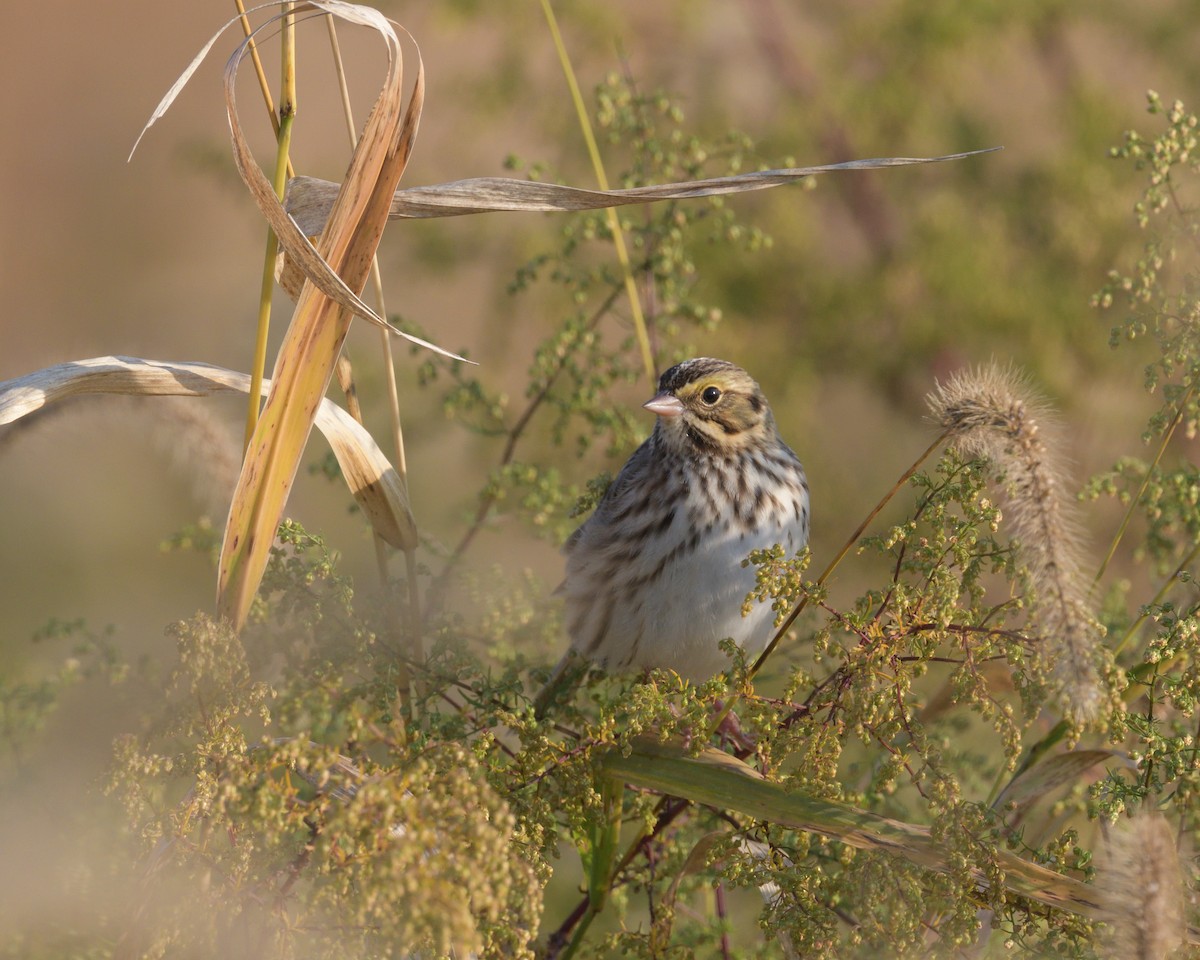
<point x="711" y="406"/>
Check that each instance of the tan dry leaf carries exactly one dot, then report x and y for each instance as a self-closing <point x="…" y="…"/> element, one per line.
<point x="309" y="200"/>
<point x="697" y="860"/>
<point x="370" y="477"/>
<point x="306" y="359"/>
<point x="297" y="247"/>
<point x="1058" y="771"/>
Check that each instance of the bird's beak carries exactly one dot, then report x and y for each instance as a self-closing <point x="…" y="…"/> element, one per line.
<point x="665" y="405"/>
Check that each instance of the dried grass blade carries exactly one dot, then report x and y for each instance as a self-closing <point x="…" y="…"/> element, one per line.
<point x="177" y="87"/>
<point x="309" y="199"/>
<point x="371" y="478"/>
<point x="304" y="365"/>
<point x="293" y="241"/>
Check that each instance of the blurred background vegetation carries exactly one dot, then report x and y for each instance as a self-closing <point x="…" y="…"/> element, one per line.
<point x="873" y="284"/>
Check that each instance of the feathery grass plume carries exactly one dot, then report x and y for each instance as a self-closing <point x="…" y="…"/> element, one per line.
<point x="202" y="447"/>
<point x="1142" y="887"/>
<point x="990" y="413"/>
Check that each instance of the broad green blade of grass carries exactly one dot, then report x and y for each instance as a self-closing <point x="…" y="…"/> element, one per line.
<point x="1059" y="771"/>
<point x="719" y="780"/>
<point x="306" y="359"/>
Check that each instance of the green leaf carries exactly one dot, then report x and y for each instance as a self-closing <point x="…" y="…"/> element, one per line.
<point x="1063" y="768"/>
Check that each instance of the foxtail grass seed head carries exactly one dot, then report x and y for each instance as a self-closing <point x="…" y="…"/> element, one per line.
<point x="202" y="447"/>
<point x="990" y="413"/>
<point x="1141" y="884"/>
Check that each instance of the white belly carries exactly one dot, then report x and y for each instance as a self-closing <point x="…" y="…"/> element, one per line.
<point x="696" y="603"/>
<point x="701" y="604"/>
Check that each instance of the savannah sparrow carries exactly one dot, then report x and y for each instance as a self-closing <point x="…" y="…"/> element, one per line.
<point x="655" y="576"/>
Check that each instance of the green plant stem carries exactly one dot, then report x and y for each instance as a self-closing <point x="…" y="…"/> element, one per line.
<point x="263" y="86"/>
<point x="614" y="221"/>
<point x="287" y="116"/>
<point x="1158" y="597"/>
<point x="603" y="843"/>
<point x="846" y="547"/>
<point x="1135" y="676"/>
<point x="1133" y="503"/>
<point x="665" y="814"/>
<point x="258" y="365"/>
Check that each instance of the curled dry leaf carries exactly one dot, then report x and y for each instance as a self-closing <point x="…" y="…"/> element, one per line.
<point x="371" y="478"/>
<point x="697" y="861"/>
<point x="306" y="359"/>
<point x="336" y="269"/>
<point x="314" y="263"/>
<point x="293" y="243"/>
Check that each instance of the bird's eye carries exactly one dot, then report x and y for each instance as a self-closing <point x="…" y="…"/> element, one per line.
<point x="710" y="395"/>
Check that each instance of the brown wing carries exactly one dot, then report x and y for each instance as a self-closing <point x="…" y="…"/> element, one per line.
<point x="617" y="498"/>
<point x="622" y="493"/>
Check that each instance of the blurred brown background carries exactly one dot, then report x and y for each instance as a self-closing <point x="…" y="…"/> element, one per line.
<point x="876" y="285"/>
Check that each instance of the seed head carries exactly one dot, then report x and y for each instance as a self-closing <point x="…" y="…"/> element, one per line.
<point x="991" y="413"/>
<point x="1142" y="885"/>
